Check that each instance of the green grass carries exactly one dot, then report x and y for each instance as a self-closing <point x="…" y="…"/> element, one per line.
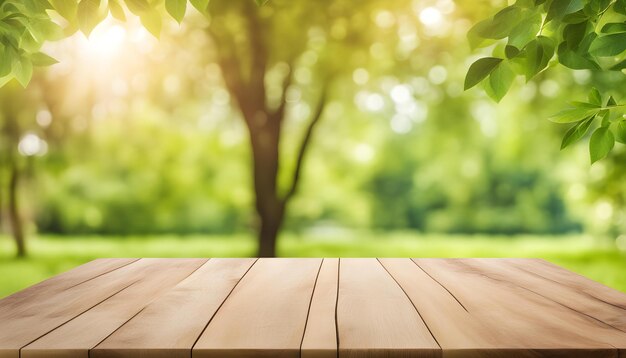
<point x="49" y="255"/>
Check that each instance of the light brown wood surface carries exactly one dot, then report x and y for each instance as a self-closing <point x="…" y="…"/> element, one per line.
<point x="320" y="335"/>
<point x="314" y="308"/>
<point x="280" y="290"/>
<point x="374" y="315"/>
<point x="75" y="338"/>
<point x="181" y="314"/>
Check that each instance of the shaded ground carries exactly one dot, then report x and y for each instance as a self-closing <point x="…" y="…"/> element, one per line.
<point x="50" y="255"/>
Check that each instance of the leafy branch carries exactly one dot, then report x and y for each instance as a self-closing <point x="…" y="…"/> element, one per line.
<point x="530" y="35"/>
<point x="25" y="25"/>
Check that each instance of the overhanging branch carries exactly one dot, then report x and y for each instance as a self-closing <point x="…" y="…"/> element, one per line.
<point x="304" y="145"/>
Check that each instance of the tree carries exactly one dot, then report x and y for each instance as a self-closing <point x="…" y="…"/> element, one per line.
<point x="530" y="36"/>
<point x="18" y="145"/>
<point x="264" y="123"/>
<point x="245" y="63"/>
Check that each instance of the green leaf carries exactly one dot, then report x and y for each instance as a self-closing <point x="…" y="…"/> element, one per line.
<point x="200" y="5"/>
<point x="611" y="102"/>
<point x="261" y="2"/>
<point x="575" y="18"/>
<point x="620" y="7"/>
<point x="575" y="114"/>
<point x="41" y="59"/>
<point x="6" y="60"/>
<point x="44" y="30"/>
<point x="500" y="25"/>
<point x="116" y="10"/>
<point x="23" y="71"/>
<point x="596" y="7"/>
<point x="595" y="97"/>
<point x="176" y="8"/>
<point x="574" y="34"/>
<point x="618" y="66"/>
<point x="65" y="8"/>
<point x="525" y="31"/>
<point x="605" y="116"/>
<point x="574" y="60"/>
<point x="578" y="104"/>
<point x="151" y="20"/>
<point x="500" y="81"/>
<point x="576" y="132"/>
<point x="88" y="15"/>
<point x="538" y="55"/>
<point x="601" y="143"/>
<point x="609" y="45"/>
<point x="560" y="8"/>
<point x="511" y="51"/>
<point x="613" y="27"/>
<point x="474" y="36"/>
<point x="138" y="7"/>
<point x="479" y="70"/>
<point x="620" y="132"/>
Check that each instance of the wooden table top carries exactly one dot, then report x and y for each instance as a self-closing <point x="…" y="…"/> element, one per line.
<point x="314" y="308"/>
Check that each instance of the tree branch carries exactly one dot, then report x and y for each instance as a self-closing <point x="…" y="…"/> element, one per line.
<point x="304" y="145"/>
<point x="258" y="53"/>
<point x="279" y="113"/>
<point x="231" y="69"/>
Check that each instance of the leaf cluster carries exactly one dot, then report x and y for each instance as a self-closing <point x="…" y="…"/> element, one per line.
<point x="530" y="36"/>
<point x="25" y="25"/>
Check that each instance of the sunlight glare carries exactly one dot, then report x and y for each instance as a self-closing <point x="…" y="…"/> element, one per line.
<point x="363" y="153"/>
<point x="431" y="17"/>
<point x="105" y="41"/>
<point x="31" y="144"/>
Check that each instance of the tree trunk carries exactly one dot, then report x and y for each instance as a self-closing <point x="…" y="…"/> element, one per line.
<point x="270" y="224"/>
<point x="14" y="215"/>
<point x="264" y="139"/>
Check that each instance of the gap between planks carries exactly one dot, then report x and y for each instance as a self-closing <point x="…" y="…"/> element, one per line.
<point x="144" y="307"/>
<point x="220" y="306"/>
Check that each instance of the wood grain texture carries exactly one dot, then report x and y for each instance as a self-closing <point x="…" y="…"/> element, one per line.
<point x="178" y="317"/>
<point x="75" y="338"/>
<point x="460" y="331"/>
<point x="611" y="314"/>
<point x="531" y="324"/>
<point x="375" y="318"/>
<point x="553" y="274"/>
<point x="314" y="308"/>
<point x="320" y="335"/>
<point x="73" y="277"/>
<point x="596" y="311"/>
<point x="24" y="321"/>
<point x="265" y="315"/>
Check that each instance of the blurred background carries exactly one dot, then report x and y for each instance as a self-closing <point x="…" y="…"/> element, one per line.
<point x="134" y="146"/>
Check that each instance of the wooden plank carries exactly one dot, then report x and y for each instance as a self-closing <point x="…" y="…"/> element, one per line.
<point x="30" y="320"/>
<point x="266" y="313"/>
<point x="169" y="326"/>
<point x="560" y="276"/>
<point x="374" y="316"/>
<point x="598" y="311"/>
<point x="75" y="338"/>
<point x="62" y="281"/>
<point x="529" y="323"/>
<point x="566" y="295"/>
<point x="456" y="329"/>
<point x="320" y="335"/>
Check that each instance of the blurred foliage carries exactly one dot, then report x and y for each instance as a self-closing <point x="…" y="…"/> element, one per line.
<point x="128" y="134"/>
